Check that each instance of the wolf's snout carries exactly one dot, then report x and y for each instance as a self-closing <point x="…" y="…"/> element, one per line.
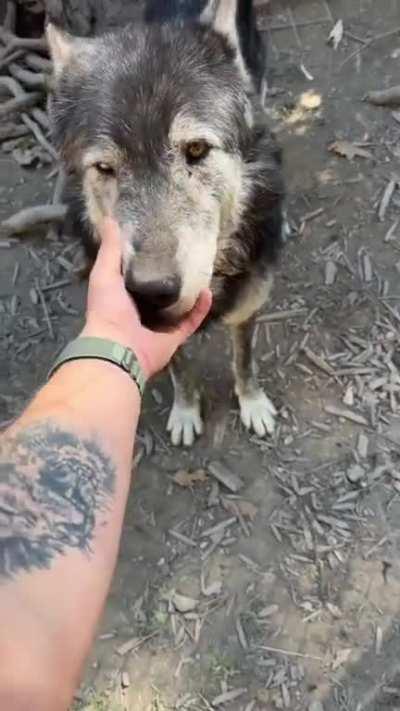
<point x="154" y="293"/>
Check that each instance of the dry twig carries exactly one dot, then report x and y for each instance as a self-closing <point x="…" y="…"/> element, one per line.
<point x="368" y="43"/>
<point x="31" y="217"/>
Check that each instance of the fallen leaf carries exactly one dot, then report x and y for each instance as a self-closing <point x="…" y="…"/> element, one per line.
<point x="182" y="603"/>
<point x="336" y="34"/>
<point x="341" y="657"/>
<point x="245" y="508"/>
<point x="310" y="100"/>
<point x="189" y="479"/>
<point x="349" y="150"/>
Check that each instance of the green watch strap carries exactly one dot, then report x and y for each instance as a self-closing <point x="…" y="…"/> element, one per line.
<point x="102" y="349"/>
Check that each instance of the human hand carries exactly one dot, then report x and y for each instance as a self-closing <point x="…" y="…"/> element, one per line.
<point x="111" y="312"/>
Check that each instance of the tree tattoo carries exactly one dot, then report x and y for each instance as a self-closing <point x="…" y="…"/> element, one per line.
<point x="55" y="487"/>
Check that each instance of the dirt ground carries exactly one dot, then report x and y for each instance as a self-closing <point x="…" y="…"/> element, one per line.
<point x="293" y="600"/>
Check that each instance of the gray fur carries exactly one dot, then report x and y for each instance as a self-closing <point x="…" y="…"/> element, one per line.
<point x="133" y="100"/>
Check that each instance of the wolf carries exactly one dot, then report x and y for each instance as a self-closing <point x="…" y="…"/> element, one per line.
<point x="160" y="124"/>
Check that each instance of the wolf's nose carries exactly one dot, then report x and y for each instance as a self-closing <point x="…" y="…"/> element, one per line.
<point x="158" y="294"/>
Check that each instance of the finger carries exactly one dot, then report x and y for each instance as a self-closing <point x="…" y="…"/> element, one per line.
<point x="108" y="262"/>
<point x="196" y="317"/>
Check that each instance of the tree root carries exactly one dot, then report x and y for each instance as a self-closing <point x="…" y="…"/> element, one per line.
<point x="40" y="137"/>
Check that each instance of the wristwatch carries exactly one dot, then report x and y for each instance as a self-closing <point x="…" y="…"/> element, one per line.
<point x="102" y="349"/>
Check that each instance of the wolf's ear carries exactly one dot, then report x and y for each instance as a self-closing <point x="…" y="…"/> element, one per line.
<point x="222" y="16"/>
<point x="66" y="50"/>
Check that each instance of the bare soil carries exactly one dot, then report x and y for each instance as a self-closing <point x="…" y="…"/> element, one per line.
<point x="295" y="602"/>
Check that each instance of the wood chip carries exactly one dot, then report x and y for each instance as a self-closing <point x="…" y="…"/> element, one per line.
<point x="289" y="653"/>
<point x="182" y="538"/>
<point x="362" y="445"/>
<point x="228" y="696"/>
<point x="125" y="681"/>
<point x="283" y="315"/>
<point x="390" y="234"/>
<point x="355" y="473"/>
<point x="331" y="271"/>
<point x="221" y="472"/>
<point x="386" y="198"/>
<point x="285" y="696"/>
<point x="346" y="414"/>
<point x="334" y="610"/>
<point x="128" y="646"/>
<point x="341" y="657"/>
<point x="318" y="361"/>
<point x="312" y="215"/>
<point x="348" y="398"/>
<point x="33" y="296"/>
<point x="336" y="34"/>
<point x="367" y="267"/>
<point x="134" y="643"/>
<point x="106" y="636"/>
<point x="241" y="634"/>
<point x="219" y="527"/>
<point x="268" y="611"/>
<point x="378" y="640"/>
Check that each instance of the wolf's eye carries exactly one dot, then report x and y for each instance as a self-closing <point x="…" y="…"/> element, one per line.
<point x="196" y="151"/>
<point x="105" y="169"/>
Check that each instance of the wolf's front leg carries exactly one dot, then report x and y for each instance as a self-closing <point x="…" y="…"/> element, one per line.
<point x="185" y="421"/>
<point x="256" y="409"/>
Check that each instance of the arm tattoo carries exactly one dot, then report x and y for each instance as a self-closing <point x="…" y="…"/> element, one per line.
<point x="55" y="488"/>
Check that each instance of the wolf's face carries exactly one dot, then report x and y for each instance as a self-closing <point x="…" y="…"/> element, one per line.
<point x="153" y="122"/>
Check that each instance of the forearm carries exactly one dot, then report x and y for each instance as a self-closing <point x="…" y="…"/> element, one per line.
<point x="65" y="471"/>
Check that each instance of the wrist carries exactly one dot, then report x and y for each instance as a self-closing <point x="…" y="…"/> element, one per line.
<point x="93" y="348"/>
<point x="115" y="334"/>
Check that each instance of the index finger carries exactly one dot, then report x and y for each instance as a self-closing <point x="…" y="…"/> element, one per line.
<point x="109" y="258"/>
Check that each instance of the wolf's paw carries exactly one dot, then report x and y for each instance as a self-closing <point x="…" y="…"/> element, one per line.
<point x="257" y="412"/>
<point x="184" y="424"/>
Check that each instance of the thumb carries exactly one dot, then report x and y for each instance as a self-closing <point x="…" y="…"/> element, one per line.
<point x="108" y="262"/>
<point x="196" y="317"/>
